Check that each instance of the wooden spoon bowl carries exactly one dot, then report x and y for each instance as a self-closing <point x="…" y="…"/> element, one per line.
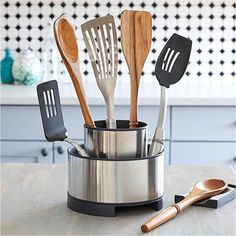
<point x="67" y="40"/>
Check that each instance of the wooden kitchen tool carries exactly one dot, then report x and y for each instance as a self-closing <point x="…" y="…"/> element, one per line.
<point x="202" y="190"/>
<point x="170" y="67"/>
<point x="51" y="113"/>
<point x="136" y="38"/>
<point x="68" y="48"/>
<point x="101" y="42"/>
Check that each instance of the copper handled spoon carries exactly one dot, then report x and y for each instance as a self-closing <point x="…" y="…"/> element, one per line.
<point x="201" y="190"/>
<point x="136" y="39"/>
<point x="68" y="48"/>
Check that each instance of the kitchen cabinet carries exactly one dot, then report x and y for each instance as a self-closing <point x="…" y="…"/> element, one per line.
<point x="26" y="152"/>
<point x="204" y="123"/>
<point x="195" y="135"/>
<point x="200" y="153"/>
<point x="21" y="123"/>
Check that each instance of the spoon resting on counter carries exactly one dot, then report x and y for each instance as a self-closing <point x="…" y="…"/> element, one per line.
<point x="201" y="190"/>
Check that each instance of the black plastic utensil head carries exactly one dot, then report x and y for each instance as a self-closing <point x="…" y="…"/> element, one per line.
<point x="173" y="60"/>
<point x="50" y="109"/>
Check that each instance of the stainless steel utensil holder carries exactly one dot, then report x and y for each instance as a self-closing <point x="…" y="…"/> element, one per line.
<point x="99" y="185"/>
<point x="122" y="142"/>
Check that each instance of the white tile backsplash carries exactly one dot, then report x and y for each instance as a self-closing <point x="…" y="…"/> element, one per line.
<point x="209" y="23"/>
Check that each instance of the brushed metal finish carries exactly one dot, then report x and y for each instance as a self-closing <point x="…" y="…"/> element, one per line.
<point x="115" y="181"/>
<point x="122" y="142"/>
<point x="101" y="42"/>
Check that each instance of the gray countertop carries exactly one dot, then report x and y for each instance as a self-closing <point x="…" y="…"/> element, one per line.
<point x="33" y="202"/>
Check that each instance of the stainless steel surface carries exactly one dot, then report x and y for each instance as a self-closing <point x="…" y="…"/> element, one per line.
<point x="115" y="181"/>
<point x="77" y="146"/>
<point x="122" y="142"/>
<point x="159" y="135"/>
<point x="101" y="42"/>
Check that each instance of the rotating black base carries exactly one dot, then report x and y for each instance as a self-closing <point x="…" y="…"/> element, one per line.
<point x="107" y="209"/>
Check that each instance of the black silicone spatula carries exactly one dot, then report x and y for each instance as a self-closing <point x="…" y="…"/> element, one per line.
<point x="51" y="113"/>
<point x="170" y="67"/>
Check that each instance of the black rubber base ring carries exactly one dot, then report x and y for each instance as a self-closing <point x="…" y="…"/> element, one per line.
<point x="107" y="209"/>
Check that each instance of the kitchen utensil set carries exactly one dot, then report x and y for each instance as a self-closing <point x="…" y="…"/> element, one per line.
<point x="101" y="42"/>
<point x="122" y="143"/>
<point x="51" y="113"/>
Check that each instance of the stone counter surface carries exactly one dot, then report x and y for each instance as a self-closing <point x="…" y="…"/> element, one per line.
<point x="33" y="202"/>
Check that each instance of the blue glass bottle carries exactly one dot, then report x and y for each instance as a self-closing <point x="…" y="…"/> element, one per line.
<point x="6" y="68"/>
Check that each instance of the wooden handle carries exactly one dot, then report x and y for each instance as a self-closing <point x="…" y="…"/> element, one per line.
<point x="133" y="120"/>
<point x="136" y="38"/>
<point x="161" y="218"/>
<point x="68" y="48"/>
<point x="82" y="100"/>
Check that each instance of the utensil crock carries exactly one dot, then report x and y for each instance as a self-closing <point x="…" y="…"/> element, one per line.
<point x="97" y="186"/>
<point x="118" y="143"/>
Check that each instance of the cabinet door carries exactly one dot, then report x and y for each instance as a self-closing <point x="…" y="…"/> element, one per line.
<point x="26" y="152"/>
<point x="208" y="154"/>
<point x="204" y="123"/>
<point x="21" y="122"/>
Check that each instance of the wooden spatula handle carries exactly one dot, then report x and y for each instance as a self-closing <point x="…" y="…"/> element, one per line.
<point x="133" y="120"/>
<point x="159" y="219"/>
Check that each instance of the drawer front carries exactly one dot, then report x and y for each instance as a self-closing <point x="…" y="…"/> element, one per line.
<point x="26" y="152"/>
<point x="21" y="122"/>
<point x="204" y="123"/>
<point x="184" y="153"/>
<point x="24" y="122"/>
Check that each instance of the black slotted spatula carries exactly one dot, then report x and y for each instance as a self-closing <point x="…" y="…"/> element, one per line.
<point x="170" y="67"/>
<point x="51" y="113"/>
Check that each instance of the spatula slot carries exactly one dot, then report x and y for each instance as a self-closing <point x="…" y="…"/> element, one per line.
<point x="49" y="102"/>
<point x="102" y="49"/>
<point x="169" y="60"/>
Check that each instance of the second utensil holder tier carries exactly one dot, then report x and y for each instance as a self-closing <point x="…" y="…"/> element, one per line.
<point x="122" y="142"/>
<point x="97" y="186"/>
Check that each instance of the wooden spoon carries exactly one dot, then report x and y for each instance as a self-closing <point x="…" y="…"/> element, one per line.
<point x="136" y="38"/>
<point x="202" y="190"/>
<point x="68" y="48"/>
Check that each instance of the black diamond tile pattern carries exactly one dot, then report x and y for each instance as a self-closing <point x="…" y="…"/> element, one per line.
<point x="210" y="24"/>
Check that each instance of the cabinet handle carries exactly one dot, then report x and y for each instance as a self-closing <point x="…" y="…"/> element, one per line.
<point x="44" y="152"/>
<point x="60" y="150"/>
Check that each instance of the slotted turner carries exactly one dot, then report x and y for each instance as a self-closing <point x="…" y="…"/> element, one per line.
<point x="101" y="42"/>
<point x="51" y="113"/>
<point x="170" y="67"/>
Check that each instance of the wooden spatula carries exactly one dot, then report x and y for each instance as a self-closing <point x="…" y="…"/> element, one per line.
<point x="68" y="48"/>
<point x="136" y="38"/>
